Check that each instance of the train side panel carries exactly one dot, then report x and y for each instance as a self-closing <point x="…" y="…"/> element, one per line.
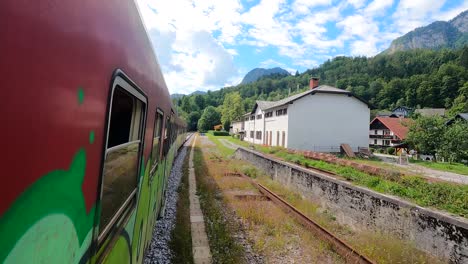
<point x="59" y="63"/>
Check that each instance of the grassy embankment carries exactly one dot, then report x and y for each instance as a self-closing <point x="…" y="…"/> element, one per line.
<point x="220" y="232"/>
<point x="181" y="238"/>
<point x="450" y="197"/>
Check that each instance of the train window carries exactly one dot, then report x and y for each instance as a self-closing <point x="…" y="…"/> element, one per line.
<point x="166" y="136"/>
<point x="157" y="138"/>
<point x="122" y="155"/>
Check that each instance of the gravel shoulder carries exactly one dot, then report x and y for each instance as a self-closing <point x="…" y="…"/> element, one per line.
<point x="159" y="250"/>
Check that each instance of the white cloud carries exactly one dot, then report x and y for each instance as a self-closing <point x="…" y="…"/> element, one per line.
<point x="451" y="13"/>
<point x="182" y="35"/>
<point x="378" y="7"/>
<point x="411" y="14"/>
<point x="357" y="3"/>
<point x="306" y="6"/>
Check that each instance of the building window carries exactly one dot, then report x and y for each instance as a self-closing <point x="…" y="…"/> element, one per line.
<point x="259" y="135"/>
<point x="376" y="132"/>
<point x="259" y="116"/>
<point x="386" y="142"/>
<point x="251" y="134"/>
<point x="283" y="143"/>
<point x="268" y="114"/>
<point x="277" y="138"/>
<point x="122" y="155"/>
<point x="375" y="141"/>
<point x="252" y="117"/>
<point x="281" y="112"/>
<point x="386" y="132"/>
<point x="247" y="119"/>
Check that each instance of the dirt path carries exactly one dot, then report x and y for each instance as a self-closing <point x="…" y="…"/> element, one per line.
<point x="424" y="171"/>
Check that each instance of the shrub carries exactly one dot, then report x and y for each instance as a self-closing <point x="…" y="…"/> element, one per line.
<point x="220" y="133"/>
<point x="391" y="150"/>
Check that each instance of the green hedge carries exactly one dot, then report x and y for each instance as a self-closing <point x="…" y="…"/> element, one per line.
<point x="220" y="133"/>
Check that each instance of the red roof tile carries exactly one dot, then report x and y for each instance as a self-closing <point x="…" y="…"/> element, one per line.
<point x="399" y="126"/>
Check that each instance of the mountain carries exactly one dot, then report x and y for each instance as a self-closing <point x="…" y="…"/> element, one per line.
<point x="178" y="95"/>
<point x="437" y="35"/>
<point x="198" y="92"/>
<point x="257" y="73"/>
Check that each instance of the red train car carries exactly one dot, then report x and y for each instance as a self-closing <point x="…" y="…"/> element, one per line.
<point x="89" y="132"/>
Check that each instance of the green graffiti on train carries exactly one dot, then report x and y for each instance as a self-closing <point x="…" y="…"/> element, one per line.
<point x="48" y="217"/>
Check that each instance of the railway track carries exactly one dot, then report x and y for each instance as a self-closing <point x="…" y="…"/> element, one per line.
<point x="339" y="246"/>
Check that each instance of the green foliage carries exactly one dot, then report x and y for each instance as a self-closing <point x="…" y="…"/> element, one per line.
<point x="426" y="134"/>
<point x="192" y="120"/>
<point x="454" y="145"/>
<point x="391" y="150"/>
<point x="232" y="108"/>
<point x="220" y="133"/>
<point x="209" y="119"/>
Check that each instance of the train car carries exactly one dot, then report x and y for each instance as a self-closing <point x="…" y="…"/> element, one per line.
<point x="89" y="132"/>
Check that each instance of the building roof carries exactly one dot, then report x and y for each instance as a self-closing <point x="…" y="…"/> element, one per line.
<point x="463" y="116"/>
<point x="460" y="116"/>
<point x="431" y="111"/>
<point x="266" y="105"/>
<point x="399" y="126"/>
<point x="319" y="89"/>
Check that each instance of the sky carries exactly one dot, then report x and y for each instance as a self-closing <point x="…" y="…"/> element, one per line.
<point x="209" y="44"/>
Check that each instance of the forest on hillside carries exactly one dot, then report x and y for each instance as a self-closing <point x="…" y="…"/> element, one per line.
<point x="416" y="78"/>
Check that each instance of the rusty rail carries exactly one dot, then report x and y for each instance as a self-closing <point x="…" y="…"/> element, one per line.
<point x="339" y="246"/>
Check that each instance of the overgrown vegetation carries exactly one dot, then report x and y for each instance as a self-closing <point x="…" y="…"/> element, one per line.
<point x="223" y="247"/>
<point x="431" y="135"/>
<point x="382" y="248"/>
<point x="446" y="196"/>
<point x="181" y="236"/>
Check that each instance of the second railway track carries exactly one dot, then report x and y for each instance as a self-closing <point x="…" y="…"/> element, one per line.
<point x="339" y="246"/>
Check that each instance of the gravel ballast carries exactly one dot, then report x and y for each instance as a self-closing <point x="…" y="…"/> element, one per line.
<point x="159" y="251"/>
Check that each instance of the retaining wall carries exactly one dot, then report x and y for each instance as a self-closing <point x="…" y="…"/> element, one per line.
<point x="435" y="232"/>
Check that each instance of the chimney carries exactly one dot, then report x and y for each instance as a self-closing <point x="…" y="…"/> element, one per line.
<point x="314" y="82"/>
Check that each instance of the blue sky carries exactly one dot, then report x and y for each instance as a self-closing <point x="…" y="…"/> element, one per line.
<point x="209" y="44"/>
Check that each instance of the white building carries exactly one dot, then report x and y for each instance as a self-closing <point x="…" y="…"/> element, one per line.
<point x="237" y="127"/>
<point x="320" y="119"/>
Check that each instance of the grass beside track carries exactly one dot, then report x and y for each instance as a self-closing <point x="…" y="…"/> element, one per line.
<point x="382" y="248"/>
<point x="450" y="197"/>
<point x="443" y="166"/>
<point x="181" y="238"/>
<point x="223" y="247"/>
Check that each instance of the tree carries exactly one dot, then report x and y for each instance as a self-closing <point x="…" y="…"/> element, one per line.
<point x="208" y="119"/>
<point x="192" y="121"/>
<point x="199" y="101"/>
<point x="232" y="108"/>
<point x="454" y="145"/>
<point x="426" y="134"/>
<point x="226" y="125"/>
